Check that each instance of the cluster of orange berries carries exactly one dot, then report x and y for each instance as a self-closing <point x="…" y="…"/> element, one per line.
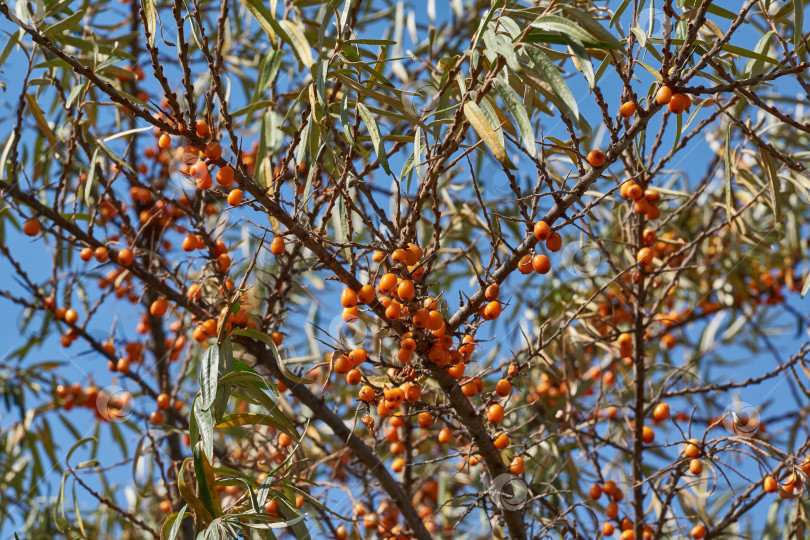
<point x="199" y="170"/>
<point x="68" y="315"/>
<point x="615" y="495"/>
<point x="164" y="403"/>
<point x="645" y="202"/>
<point x="91" y="398"/>
<point x="677" y="103"/>
<point x="538" y="263"/>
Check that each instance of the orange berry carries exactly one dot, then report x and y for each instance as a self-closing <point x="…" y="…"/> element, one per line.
<point x="644" y="256"/>
<point x="516" y="466"/>
<point x="595" y="492"/>
<point x="156" y="418"/>
<point x="634" y="191"/>
<point x="213" y="150"/>
<point x="366" y="295"/>
<point x="698" y="532"/>
<point x="353" y="377"/>
<point x="678" y="103"/>
<point x="541" y="264"/>
<point x="769" y="485"/>
<point x="457" y="370"/>
<point x="627" y="109"/>
<point x="189" y="243"/>
<point x="277" y="246"/>
<point x="664" y="95"/>
<point x="445" y="435"/>
<point x="100" y="254"/>
<point x="348" y="298"/>
<point x="612" y="510"/>
<point x="661" y="412"/>
<point x="424" y="419"/>
<point x="351" y="314"/>
<point x="32" y="227"/>
<point x="235" y="197"/>
<point x="554" y="242"/>
<point x="366" y="394"/>
<point x="284" y="440"/>
<point x="629" y="534"/>
<point x="607" y="529"/>
<point x="435" y="321"/>
<point x="495" y="413"/>
<point x="388" y="283"/>
<point x="71" y="317"/>
<point x="596" y="158"/>
<point x="695" y="466"/>
<point x="358" y="356"/>
<point x="86" y="254"/>
<point x="125" y="257"/>
<point x="648" y="236"/>
<point x="542" y="231"/>
<point x="163" y="401"/>
<point x="394" y="310"/>
<point x="272" y="508"/>
<point x="159" y="307"/>
<point x="525" y="265"/>
<point x="492" y="310"/>
<point x="165" y="141"/>
<point x="204" y="182"/>
<point x="691" y="449"/>
<point x="342" y="364"/>
<point x="491" y="292"/>
<point x="202" y="128"/>
<point x="503" y="388"/>
<point x="405" y="289"/>
<point x="501" y="441"/>
<point x="225" y="176"/>
<point x="647" y="435"/>
<point x="199" y="170"/>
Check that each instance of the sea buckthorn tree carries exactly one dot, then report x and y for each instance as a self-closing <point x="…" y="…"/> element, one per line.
<point x="404" y="269"/>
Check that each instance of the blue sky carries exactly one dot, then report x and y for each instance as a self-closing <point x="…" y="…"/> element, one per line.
<point x="78" y="366"/>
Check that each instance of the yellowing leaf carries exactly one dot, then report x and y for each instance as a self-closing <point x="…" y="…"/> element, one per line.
<point x="479" y="123"/>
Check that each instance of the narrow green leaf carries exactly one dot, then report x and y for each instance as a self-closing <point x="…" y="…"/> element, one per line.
<point x="773" y="184"/>
<point x="374" y="131"/>
<point x="727" y="177"/>
<point x="69" y="22"/>
<point x="12" y="42"/>
<point x="266" y="20"/>
<point x="618" y="13"/>
<point x="554" y="23"/>
<point x="640" y="35"/>
<point x="209" y="367"/>
<point x="553" y="77"/>
<point x="200" y="511"/>
<point x="206" y="483"/>
<point x="798" y="22"/>
<point x="583" y="59"/>
<point x="176" y="520"/>
<point x="514" y="103"/>
<point x="205" y="425"/>
<point x="294" y="35"/>
<point x="223" y="390"/>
